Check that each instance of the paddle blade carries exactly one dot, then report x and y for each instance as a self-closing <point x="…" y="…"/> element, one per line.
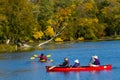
<point x="52" y="67"/>
<point x="48" y="55"/>
<point x="51" y="60"/>
<point x="35" y="55"/>
<point x="32" y="58"/>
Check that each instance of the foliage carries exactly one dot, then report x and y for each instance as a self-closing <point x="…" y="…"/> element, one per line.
<point x="7" y="48"/>
<point x="18" y="20"/>
<point x="80" y="39"/>
<point x="49" y="31"/>
<point x="58" y="39"/>
<point x="22" y="20"/>
<point x="38" y="35"/>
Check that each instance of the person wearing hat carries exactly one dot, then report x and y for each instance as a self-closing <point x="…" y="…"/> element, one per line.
<point x="96" y="61"/>
<point x="76" y="64"/>
<point x="65" y="63"/>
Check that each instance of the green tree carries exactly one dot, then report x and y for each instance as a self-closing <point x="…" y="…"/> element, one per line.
<point x="3" y="19"/>
<point x="87" y="20"/>
<point x="111" y="16"/>
<point x="20" y="19"/>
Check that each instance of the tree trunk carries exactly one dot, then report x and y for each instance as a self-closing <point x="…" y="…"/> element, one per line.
<point x="8" y="41"/>
<point x="46" y="42"/>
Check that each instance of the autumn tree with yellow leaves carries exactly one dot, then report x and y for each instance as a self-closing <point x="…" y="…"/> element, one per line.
<point x="63" y="19"/>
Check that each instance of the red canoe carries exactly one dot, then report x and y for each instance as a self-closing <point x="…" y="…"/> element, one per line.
<point x="81" y="68"/>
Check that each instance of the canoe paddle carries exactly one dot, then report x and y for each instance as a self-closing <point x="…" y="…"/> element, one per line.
<point x="52" y="67"/>
<point x="51" y="60"/>
<point x="90" y="60"/>
<point x="48" y="56"/>
<point x="33" y="57"/>
<point x="36" y="56"/>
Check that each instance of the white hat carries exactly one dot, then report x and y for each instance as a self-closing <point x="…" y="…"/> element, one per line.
<point x="76" y="61"/>
<point x="96" y="57"/>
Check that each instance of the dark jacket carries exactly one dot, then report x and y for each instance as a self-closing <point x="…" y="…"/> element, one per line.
<point x="64" y="64"/>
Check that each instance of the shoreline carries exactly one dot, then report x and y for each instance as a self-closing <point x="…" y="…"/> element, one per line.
<point x="5" y="48"/>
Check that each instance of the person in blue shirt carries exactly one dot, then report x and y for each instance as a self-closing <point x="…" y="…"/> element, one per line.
<point x="96" y="61"/>
<point x="77" y="63"/>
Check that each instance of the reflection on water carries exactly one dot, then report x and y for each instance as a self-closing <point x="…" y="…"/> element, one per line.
<point x="84" y="75"/>
<point x="116" y="67"/>
<point x="77" y="75"/>
<point x="58" y="45"/>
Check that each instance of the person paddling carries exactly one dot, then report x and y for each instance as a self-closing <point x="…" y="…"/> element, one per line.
<point x="42" y="57"/>
<point x="96" y="61"/>
<point x="77" y="63"/>
<point x="65" y="63"/>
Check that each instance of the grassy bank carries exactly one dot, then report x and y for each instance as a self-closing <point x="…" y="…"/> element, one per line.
<point x="13" y="48"/>
<point x="7" y="48"/>
<point x="4" y="48"/>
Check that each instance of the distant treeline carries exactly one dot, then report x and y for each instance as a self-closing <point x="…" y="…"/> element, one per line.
<point x="23" y="20"/>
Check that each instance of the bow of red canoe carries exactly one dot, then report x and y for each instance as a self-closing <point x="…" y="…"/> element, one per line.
<point x="81" y="68"/>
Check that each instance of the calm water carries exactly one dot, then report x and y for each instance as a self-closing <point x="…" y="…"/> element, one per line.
<point x="18" y="66"/>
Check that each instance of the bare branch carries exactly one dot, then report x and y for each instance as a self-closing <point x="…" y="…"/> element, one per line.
<point x="59" y="33"/>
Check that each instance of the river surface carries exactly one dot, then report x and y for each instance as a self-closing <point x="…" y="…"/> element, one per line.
<point x="18" y="66"/>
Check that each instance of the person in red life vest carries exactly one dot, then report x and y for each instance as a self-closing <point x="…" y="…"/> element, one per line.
<point x="42" y="58"/>
<point x="77" y="63"/>
<point x="65" y="63"/>
<point x="96" y="61"/>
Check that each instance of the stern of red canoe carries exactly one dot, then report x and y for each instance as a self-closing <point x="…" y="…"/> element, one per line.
<point x="107" y="67"/>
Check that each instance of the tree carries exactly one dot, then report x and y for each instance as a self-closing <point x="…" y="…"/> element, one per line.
<point x="3" y="20"/>
<point x="20" y="19"/>
<point x="111" y="16"/>
<point x="55" y="23"/>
